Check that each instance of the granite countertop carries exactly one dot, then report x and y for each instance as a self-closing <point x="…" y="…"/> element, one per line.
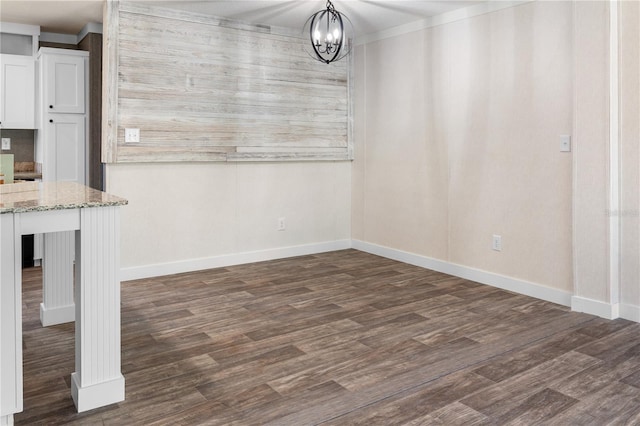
<point x="55" y="196"/>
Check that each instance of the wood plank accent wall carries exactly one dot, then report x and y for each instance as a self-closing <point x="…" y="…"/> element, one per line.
<point x="202" y="88"/>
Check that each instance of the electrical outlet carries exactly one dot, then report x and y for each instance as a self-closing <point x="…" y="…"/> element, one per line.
<point x="132" y="135"/>
<point x="6" y="143"/>
<point x="497" y="243"/>
<point x="281" y="224"/>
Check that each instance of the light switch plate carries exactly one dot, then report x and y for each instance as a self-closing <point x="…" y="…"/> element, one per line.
<point x="132" y="135"/>
<point x="565" y="143"/>
<point x="6" y="143"/>
<point x="496" y="243"/>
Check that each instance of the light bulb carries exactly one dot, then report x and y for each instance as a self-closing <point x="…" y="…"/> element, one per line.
<point x="316" y="35"/>
<point x="329" y="37"/>
<point x="336" y="34"/>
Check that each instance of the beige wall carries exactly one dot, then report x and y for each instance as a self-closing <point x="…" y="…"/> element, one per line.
<point x="189" y="211"/>
<point x="606" y="181"/>
<point x="630" y="152"/>
<point x="591" y="154"/>
<point x="457" y="138"/>
<point x="190" y="215"/>
<point x="401" y="168"/>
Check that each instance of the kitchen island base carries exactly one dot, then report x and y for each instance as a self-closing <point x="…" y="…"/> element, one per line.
<point x="57" y="305"/>
<point x="98" y="395"/>
<point x="94" y="219"/>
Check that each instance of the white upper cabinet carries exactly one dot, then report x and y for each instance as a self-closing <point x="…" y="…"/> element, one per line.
<point x="65" y="82"/>
<point x="17" y="92"/>
<point x="63" y="126"/>
<point x="64" y="153"/>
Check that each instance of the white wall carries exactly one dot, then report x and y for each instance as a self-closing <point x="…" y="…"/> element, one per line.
<point x="401" y="159"/>
<point x="629" y="159"/>
<point x="457" y="139"/>
<point x="186" y="216"/>
<point x="591" y="153"/>
<point x="606" y="180"/>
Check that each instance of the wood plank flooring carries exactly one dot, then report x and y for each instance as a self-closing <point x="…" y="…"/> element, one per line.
<point x="342" y="338"/>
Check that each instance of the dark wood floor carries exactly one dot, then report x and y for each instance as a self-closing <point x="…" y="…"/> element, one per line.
<point x="341" y="338"/>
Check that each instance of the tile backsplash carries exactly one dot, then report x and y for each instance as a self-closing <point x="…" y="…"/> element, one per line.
<point x="22" y="143"/>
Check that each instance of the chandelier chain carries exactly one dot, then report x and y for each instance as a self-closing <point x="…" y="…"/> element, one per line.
<point x="330" y="7"/>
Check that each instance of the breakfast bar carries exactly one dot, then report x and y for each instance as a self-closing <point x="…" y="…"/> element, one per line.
<point x="71" y="215"/>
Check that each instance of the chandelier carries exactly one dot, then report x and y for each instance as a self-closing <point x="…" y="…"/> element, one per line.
<point x="330" y="33"/>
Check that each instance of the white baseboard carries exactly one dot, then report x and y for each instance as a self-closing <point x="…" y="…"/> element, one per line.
<point x="495" y="280"/>
<point x="595" y="307"/>
<point x="630" y="312"/>
<point x="97" y="395"/>
<point x="579" y="304"/>
<point x="190" y="265"/>
<point x="57" y="315"/>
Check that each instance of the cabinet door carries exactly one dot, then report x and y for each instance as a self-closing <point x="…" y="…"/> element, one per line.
<point x="64" y="84"/>
<point x="64" y="150"/>
<point x="17" y="92"/>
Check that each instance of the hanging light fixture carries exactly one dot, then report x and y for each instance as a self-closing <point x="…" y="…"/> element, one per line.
<point x="330" y="33"/>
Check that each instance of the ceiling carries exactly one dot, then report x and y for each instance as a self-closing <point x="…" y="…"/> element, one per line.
<point x="368" y="16"/>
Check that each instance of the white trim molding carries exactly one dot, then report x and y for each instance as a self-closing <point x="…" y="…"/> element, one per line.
<point x="90" y="27"/>
<point x="59" y="38"/>
<point x="445" y="18"/>
<point x="614" y="156"/>
<point x="489" y="278"/>
<point x="630" y="312"/>
<point x="595" y="307"/>
<point x="190" y="265"/>
<point x="527" y="288"/>
<point x="22" y="29"/>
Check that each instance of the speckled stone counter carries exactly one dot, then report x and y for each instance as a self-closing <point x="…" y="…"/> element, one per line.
<point x="81" y="284"/>
<point x="56" y="196"/>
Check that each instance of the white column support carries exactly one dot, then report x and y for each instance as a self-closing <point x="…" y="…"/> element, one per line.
<point x="614" y="162"/>
<point x="596" y="177"/>
<point x="6" y="420"/>
<point x="57" y="305"/>
<point x="97" y="380"/>
<point x="10" y="318"/>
